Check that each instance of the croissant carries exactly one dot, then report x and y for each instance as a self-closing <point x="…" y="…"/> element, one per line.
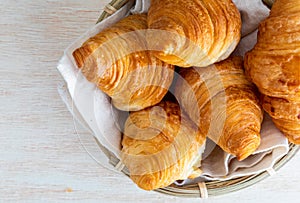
<point x="274" y="66"/>
<point x="223" y="102"/>
<point x="118" y="62"/>
<point x="161" y="145"/>
<point x="285" y="115"/>
<point x="193" y="32"/>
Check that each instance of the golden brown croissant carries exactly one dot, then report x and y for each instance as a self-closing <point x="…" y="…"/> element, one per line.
<point x="116" y="61"/>
<point x="193" y="32"/>
<point x="161" y="145"/>
<point x="285" y="115"/>
<point x="224" y="104"/>
<point x="274" y="66"/>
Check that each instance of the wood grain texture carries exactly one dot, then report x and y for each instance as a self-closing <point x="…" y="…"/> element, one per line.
<point x="41" y="157"/>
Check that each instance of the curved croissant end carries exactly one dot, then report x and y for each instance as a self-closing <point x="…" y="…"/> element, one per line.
<point x="238" y="133"/>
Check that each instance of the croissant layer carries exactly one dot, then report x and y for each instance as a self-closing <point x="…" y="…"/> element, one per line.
<point x="161" y="145"/>
<point x="118" y="62"/>
<point x="286" y="116"/>
<point x="224" y="104"/>
<point x="193" y="32"/>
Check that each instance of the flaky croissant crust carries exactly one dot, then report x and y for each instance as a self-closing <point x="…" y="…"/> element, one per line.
<point x="197" y="32"/>
<point x="273" y="64"/>
<point x="286" y="116"/>
<point x="118" y="62"/>
<point x="239" y="132"/>
<point x="161" y="145"/>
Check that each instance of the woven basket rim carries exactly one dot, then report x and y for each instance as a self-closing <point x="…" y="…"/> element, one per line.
<point x="214" y="188"/>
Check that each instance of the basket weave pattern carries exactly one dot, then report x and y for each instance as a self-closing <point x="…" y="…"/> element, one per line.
<point x="209" y="188"/>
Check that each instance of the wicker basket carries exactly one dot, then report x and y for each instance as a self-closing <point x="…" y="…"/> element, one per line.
<point x="209" y="188"/>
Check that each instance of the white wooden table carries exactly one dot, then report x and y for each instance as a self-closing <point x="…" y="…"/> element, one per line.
<point x="41" y="157"/>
